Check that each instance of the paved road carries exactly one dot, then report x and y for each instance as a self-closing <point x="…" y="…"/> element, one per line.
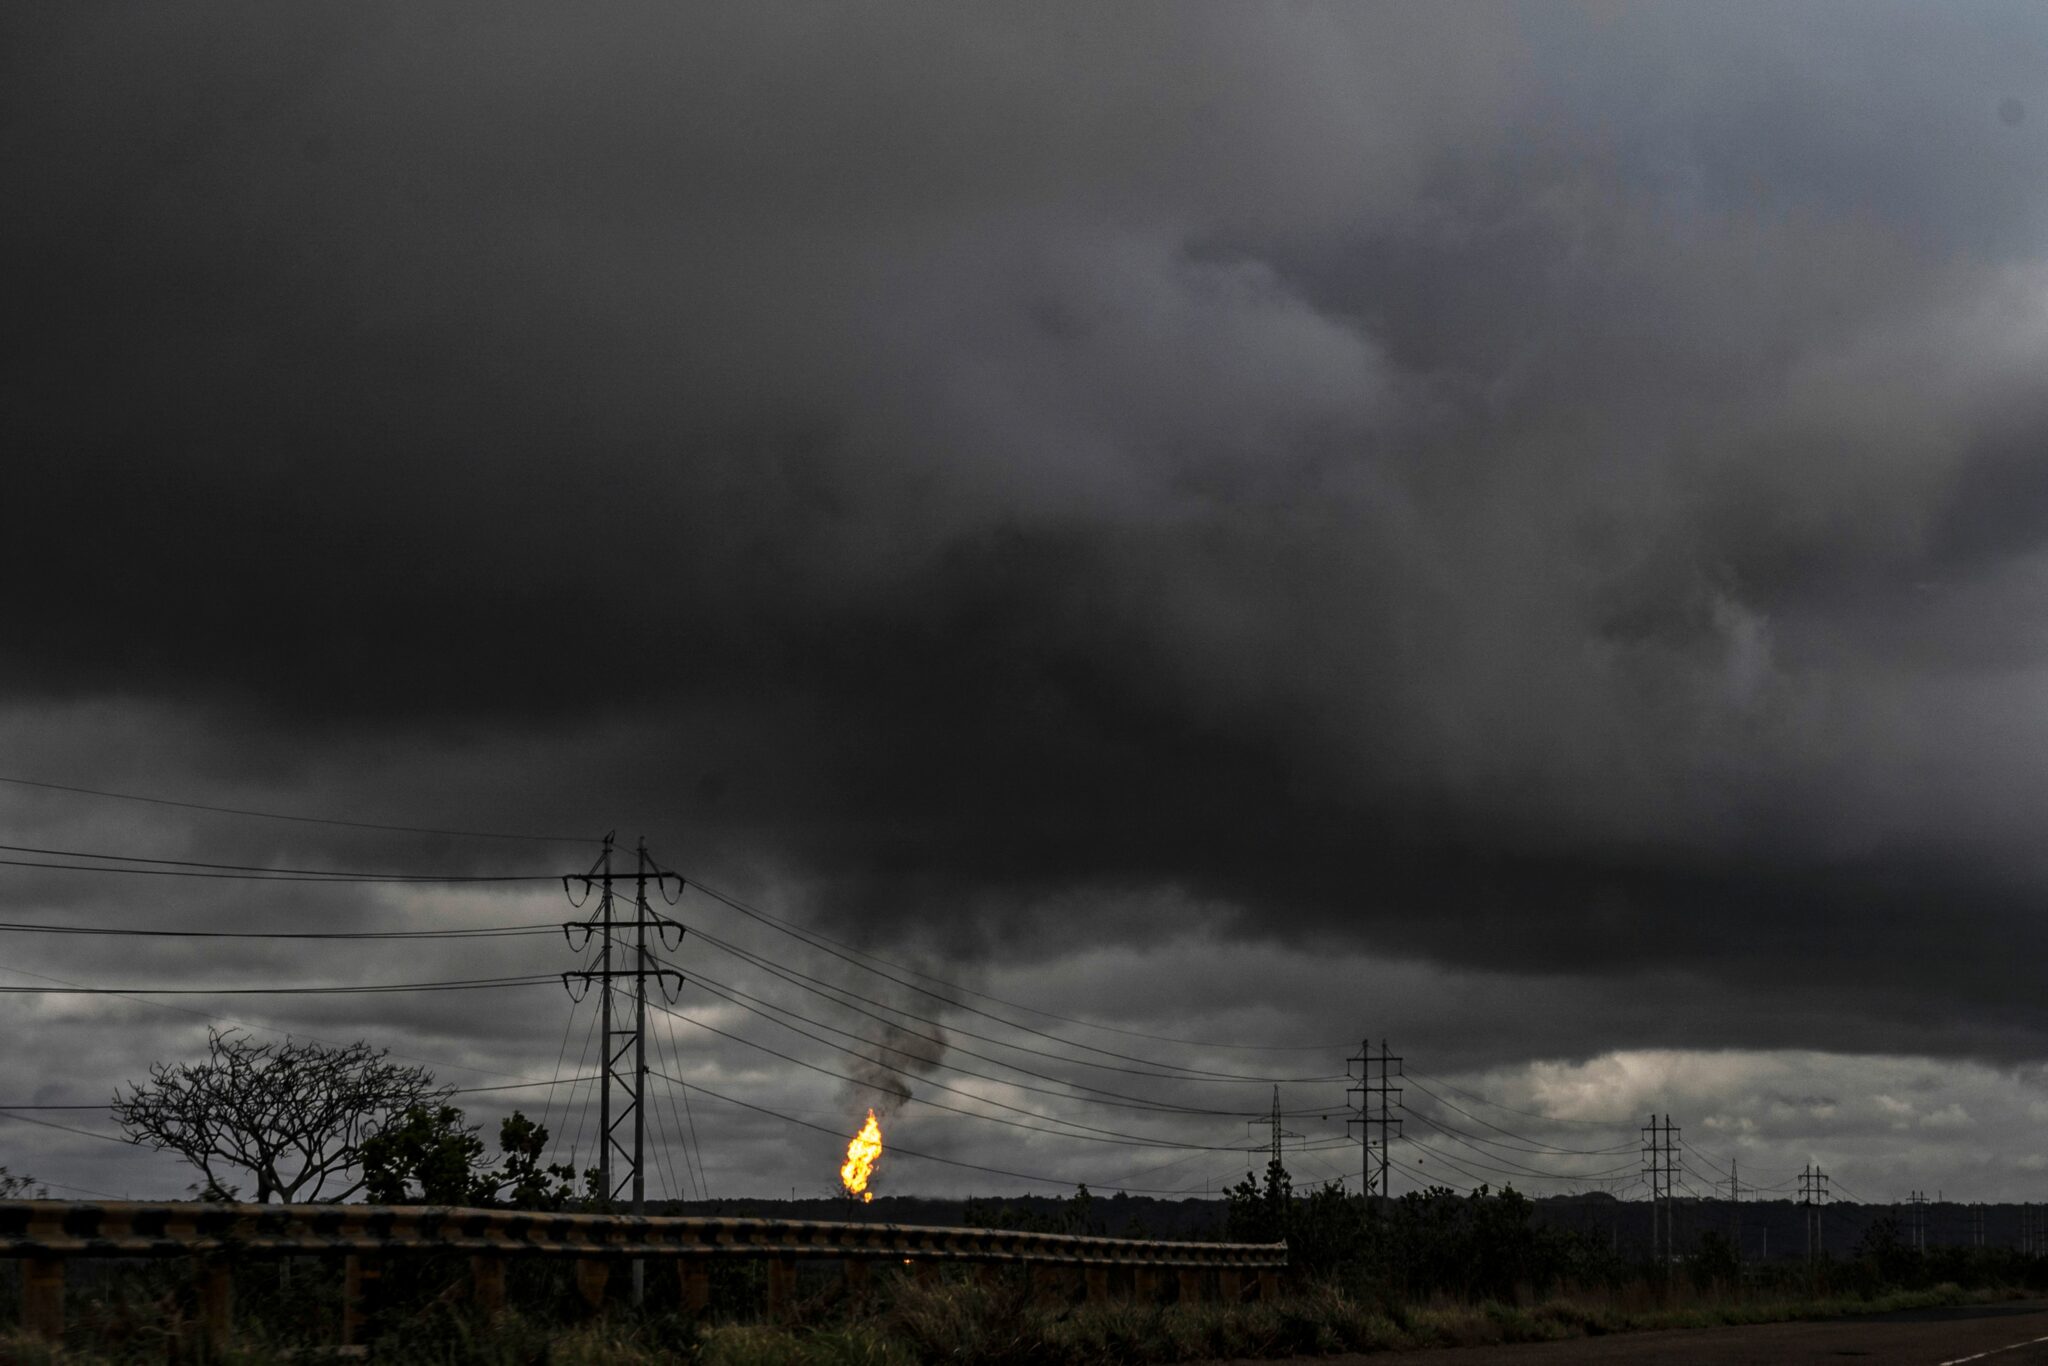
<point x="1995" y="1335"/>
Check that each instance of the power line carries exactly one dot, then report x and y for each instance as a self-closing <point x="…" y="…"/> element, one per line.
<point x="260" y="1028"/>
<point x="258" y="877"/>
<point x="683" y="1135"/>
<point x="459" y="984"/>
<point x="1096" y="1136"/>
<point x="693" y="1152"/>
<point x="1185" y="1075"/>
<point x="582" y="1114"/>
<point x="455" y="1091"/>
<point x="1526" y="1114"/>
<point x="781" y="922"/>
<point x="1512" y="1167"/>
<point x="516" y="1086"/>
<point x="1537" y="1146"/>
<point x="1192" y="1073"/>
<point x="1097" y="1095"/>
<point x="69" y="1129"/>
<point x="80" y="1106"/>
<point x="1703" y="1155"/>
<point x="1180" y="1161"/>
<point x="78" y="1190"/>
<point x="1460" y="1137"/>
<point x="303" y="820"/>
<point x="562" y="1053"/>
<point x="474" y="932"/>
<point x="898" y="1151"/>
<point x="696" y="1148"/>
<point x="337" y="874"/>
<point x="1427" y="1179"/>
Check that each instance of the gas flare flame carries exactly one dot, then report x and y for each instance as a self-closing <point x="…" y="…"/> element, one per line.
<point x="863" y="1150"/>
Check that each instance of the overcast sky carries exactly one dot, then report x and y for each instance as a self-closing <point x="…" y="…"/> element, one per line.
<point x="1522" y="530"/>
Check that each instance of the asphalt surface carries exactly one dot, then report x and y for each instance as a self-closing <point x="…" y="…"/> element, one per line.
<point x="1996" y="1334"/>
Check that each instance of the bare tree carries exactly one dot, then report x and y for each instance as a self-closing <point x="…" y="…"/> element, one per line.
<point x="292" y="1115"/>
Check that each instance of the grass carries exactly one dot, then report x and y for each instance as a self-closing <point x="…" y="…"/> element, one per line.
<point x="926" y="1324"/>
<point x="967" y="1323"/>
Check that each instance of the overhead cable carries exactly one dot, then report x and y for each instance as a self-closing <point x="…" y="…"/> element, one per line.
<point x="1177" y="1072"/>
<point x="475" y="932"/>
<point x="782" y="922"/>
<point x="897" y="1150"/>
<point x="224" y="876"/>
<point x="1536" y="1145"/>
<point x="1072" y="1131"/>
<point x="303" y="820"/>
<point x="1095" y="1095"/>
<point x="1526" y="1114"/>
<point x="459" y="984"/>
<point x="1185" y="1074"/>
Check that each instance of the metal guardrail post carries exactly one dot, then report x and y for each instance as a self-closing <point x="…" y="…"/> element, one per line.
<point x="1145" y="1285"/>
<point x="42" y="1297"/>
<point x="1190" y="1285"/>
<point x="781" y="1286"/>
<point x="216" y="1302"/>
<point x="487" y="1283"/>
<point x="360" y="1277"/>
<point x="1269" y="1285"/>
<point x="592" y="1274"/>
<point x="1097" y="1279"/>
<point x="1230" y="1285"/>
<point x="1046" y="1287"/>
<point x="855" y="1272"/>
<point x="696" y="1282"/>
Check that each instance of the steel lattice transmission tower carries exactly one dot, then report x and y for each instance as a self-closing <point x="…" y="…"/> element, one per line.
<point x="624" y="954"/>
<point x="1375" y="1128"/>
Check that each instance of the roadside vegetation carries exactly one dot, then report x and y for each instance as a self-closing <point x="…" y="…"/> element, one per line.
<point x="913" y="1323"/>
<point x="1433" y="1268"/>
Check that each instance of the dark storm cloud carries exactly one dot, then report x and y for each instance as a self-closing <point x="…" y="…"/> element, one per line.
<point x="1544" y="489"/>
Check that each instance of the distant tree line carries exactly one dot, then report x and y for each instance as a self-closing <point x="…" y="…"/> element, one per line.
<point x="1491" y="1244"/>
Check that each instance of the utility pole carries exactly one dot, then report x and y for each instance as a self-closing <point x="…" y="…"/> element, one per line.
<point x="628" y="1079"/>
<point x="1660" y="1153"/>
<point x="1275" y="1149"/>
<point x="1357" y="1117"/>
<point x="1813" y="1198"/>
<point x="1735" y="1207"/>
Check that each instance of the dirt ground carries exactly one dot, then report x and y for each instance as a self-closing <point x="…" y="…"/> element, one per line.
<point x="1998" y="1335"/>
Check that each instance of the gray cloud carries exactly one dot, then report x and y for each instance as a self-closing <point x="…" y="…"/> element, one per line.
<point x="1549" y="494"/>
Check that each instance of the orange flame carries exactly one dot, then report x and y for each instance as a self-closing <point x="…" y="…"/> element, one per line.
<point x="863" y="1150"/>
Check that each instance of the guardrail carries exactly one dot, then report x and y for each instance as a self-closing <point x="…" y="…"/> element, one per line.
<point x="45" y="1234"/>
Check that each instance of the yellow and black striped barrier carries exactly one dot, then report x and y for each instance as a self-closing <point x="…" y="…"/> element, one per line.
<point x="44" y="1234"/>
